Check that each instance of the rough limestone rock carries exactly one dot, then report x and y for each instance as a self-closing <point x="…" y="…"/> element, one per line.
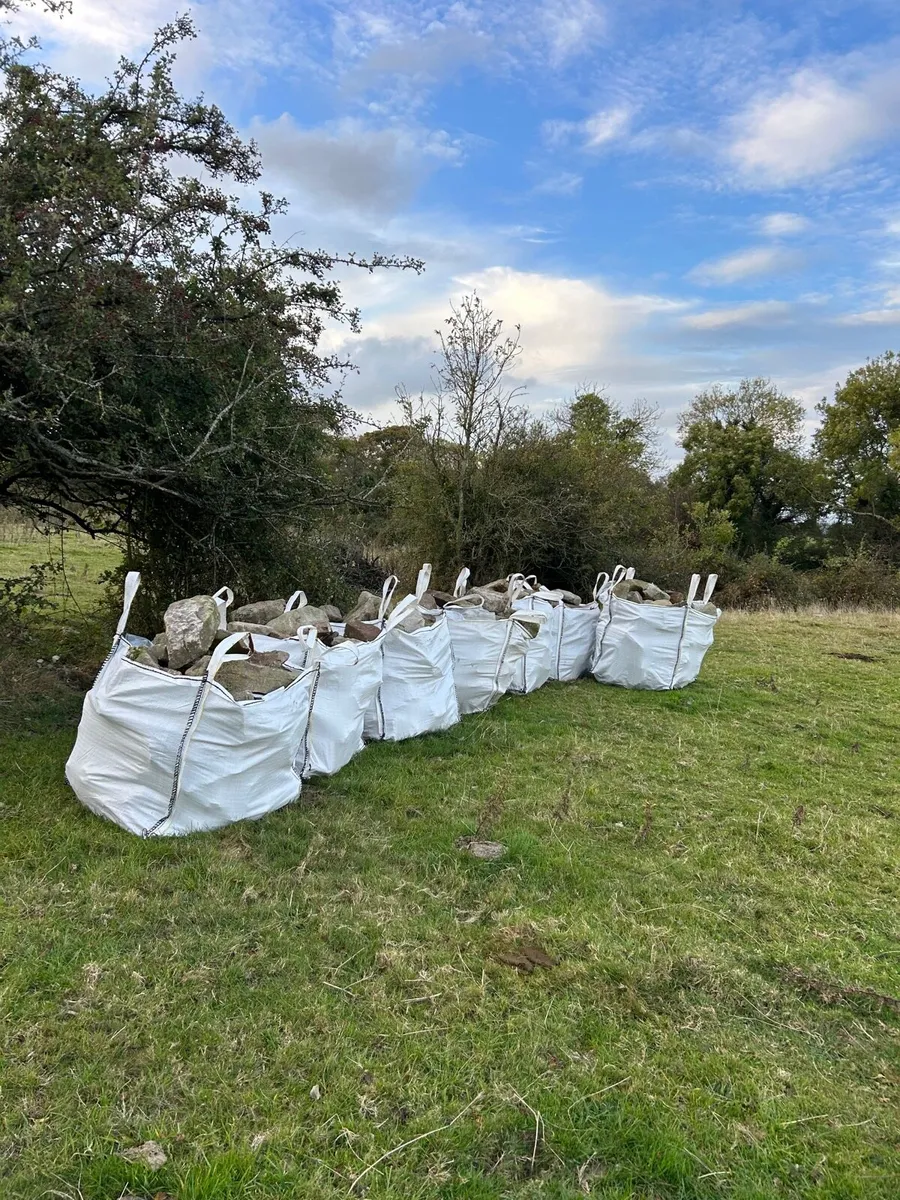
<point x="249" y="627"/>
<point x="241" y="647"/>
<point x="245" y="679"/>
<point x="332" y="612"/>
<point x="427" y="600"/>
<point x="411" y="622"/>
<point x="269" y="658"/>
<point x="494" y="601"/>
<point x="160" y="650"/>
<point x="441" y="598"/>
<point x="652" y="592"/>
<point x="366" y="608"/>
<point x="260" y="613"/>
<point x="289" y="623"/>
<point x="639" y="591"/>
<point x="142" y="655"/>
<point x="199" y="667"/>
<point x="359" y="631"/>
<point x="190" y="628"/>
<point x="569" y="597"/>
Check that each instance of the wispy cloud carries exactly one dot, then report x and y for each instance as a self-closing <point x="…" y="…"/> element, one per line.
<point x="872" y="316"/>
<point x="784" y="224"/>
<point x="566" y="183"/>
<point x="762" y="312"/>
<point x="753" y="263"/>
<point x="572" y="28"/>
<point x="594" y="132"/>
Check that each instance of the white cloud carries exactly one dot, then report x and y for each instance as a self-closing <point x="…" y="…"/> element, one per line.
<point x="753" y="263"/>
<point x="349" y="164"/>
<point x="572" y="28"/>
<point x="114" y="28"/>
<point x="571" y="328"/>
<point x="814" y="126"/>
<point x="566" y="183"/>
<point x="783" y="224"/>
<point x="761" y="312"/>
<point x="596" y="131"/>
<point x="607" y="126"/>
<point x="874" y="316"/>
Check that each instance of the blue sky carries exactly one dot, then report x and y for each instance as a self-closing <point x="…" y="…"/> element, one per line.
<point x="663" y="193"/>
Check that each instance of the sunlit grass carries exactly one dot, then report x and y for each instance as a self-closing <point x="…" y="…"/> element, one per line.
<point x="710" y="868"/>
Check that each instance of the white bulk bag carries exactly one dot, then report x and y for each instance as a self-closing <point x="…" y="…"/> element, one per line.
<point x="164" y="754"/>
<point x="572" y="629"/>
<point x="535" y="666"/>
<point x="417" y="693"/>
<point x="486" y="649"/>
<point x="349" y="678"/>
<point x="575" y="635"/>
<point x="645" y="646"/>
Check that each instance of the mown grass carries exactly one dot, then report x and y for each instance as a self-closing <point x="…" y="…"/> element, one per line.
<point x="715" y="871"/>
<point x="76" y="587"/>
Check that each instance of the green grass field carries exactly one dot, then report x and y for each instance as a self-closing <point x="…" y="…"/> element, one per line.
<point x="82" y="560"/>
<point x="282" y="1004"/>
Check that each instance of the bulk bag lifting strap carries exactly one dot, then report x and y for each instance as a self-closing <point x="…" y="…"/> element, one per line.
<point x="536" y="664"/>
<point x="417" y="693"/>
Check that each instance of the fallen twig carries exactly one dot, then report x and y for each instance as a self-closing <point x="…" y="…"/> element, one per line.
<point x="593" y="1095"/>
<point x="403" y="1145"/>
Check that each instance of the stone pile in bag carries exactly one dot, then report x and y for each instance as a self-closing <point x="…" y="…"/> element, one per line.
<point x="195" y="626"/>
<point x="162" y="752"/>
<point x="640" y="592"/>
<point x="349" y="656"/>
<point x="224" y="713"/>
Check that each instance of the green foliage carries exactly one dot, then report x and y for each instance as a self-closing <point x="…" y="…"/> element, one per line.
<point x="25" y="595"/>
<point x="862" y="577"/>
<point x="858" y="443"/>
<point x="742" y="459"/>
<point x="561" y="498"/>
<point x="160" y="377"/>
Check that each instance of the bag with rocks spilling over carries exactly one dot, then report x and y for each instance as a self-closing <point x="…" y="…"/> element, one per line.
<point x="349" y="657"/>
<point x="572" y="626"/>
<point x="487" y="645"/>
<point x="163" y="751"/>
<point x="652" y="638"/>
<point x="535" y="666"/>
<point x="417" y="692"/>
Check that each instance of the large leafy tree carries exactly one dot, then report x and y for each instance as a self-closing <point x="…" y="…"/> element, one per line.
<point x="160" y="371"/>
<point x="743" y="460"/>
<point x="859" y="443"/>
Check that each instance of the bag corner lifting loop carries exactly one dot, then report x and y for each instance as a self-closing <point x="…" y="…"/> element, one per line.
<point x="496" y="692"/>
